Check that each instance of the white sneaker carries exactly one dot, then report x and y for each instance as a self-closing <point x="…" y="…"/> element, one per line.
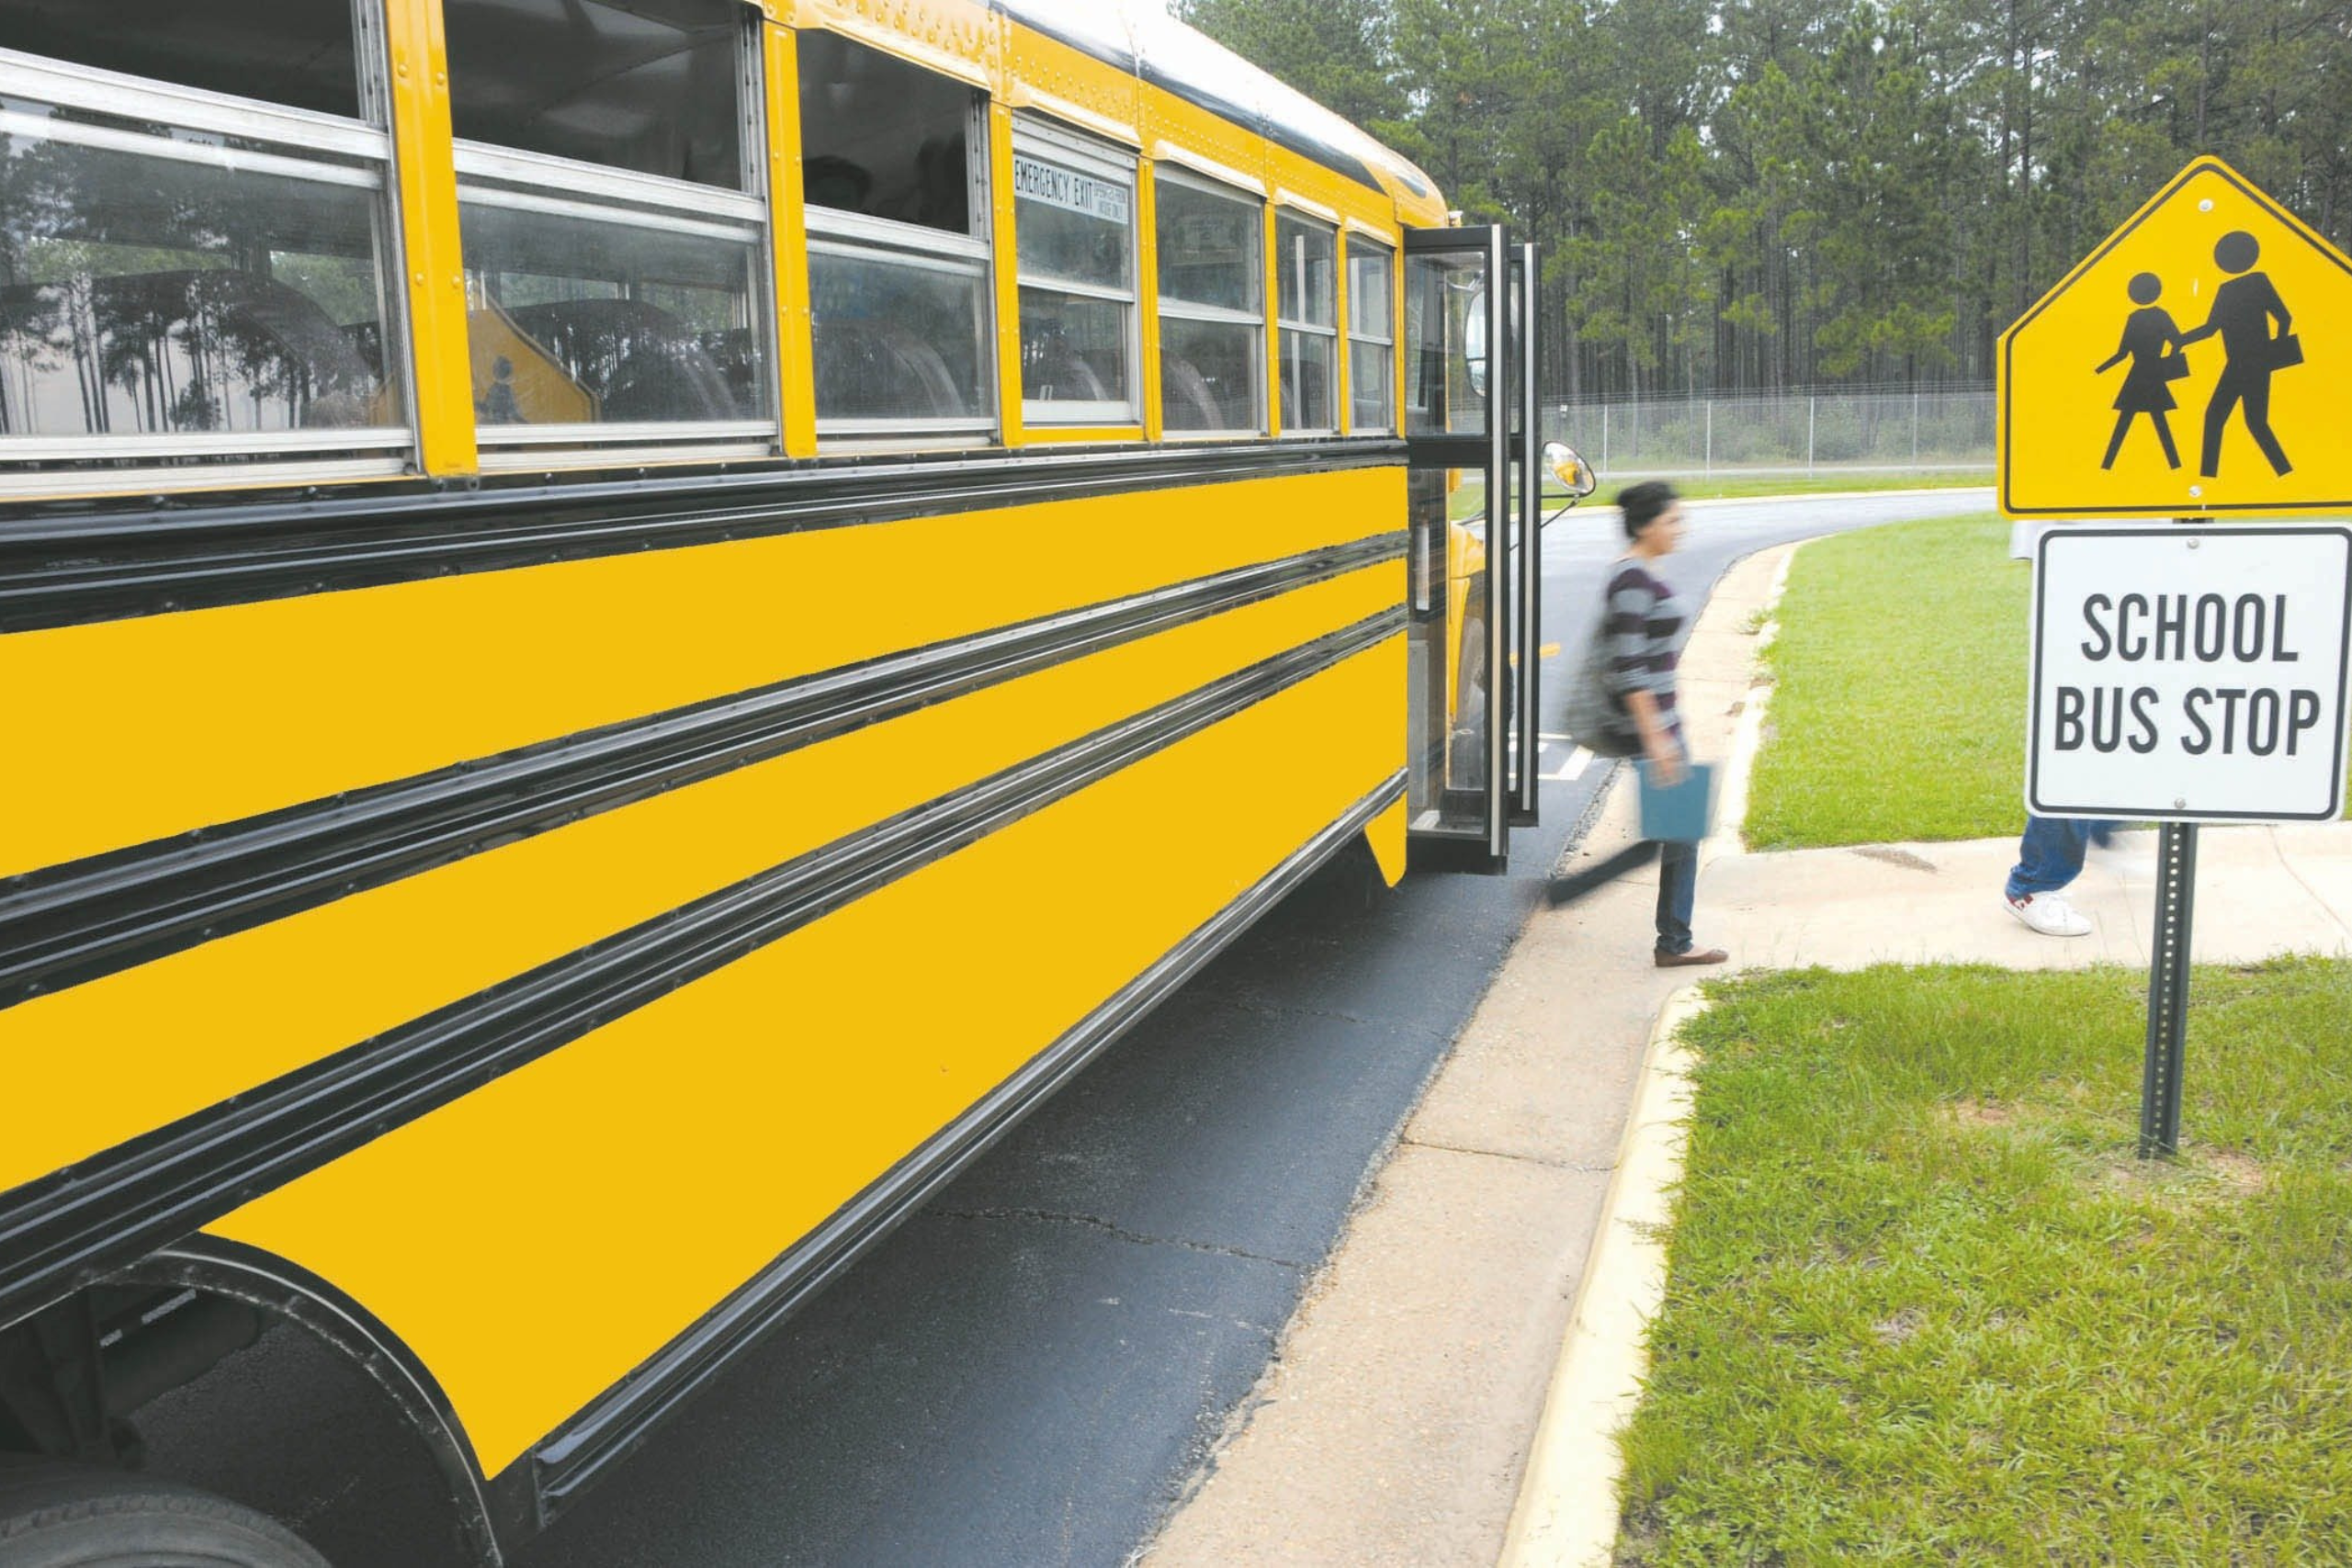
<point x="2049" y="914"/>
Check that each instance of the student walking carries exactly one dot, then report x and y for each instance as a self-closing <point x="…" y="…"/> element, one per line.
<point x="1644" y="627"/>
<point x="2050" y="856"/>
<point x="2152" y="342"/>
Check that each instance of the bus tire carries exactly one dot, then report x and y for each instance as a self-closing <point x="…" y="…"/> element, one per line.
<point x="63" y="1515"/>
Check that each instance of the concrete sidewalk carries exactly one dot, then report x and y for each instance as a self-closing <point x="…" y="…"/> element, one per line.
<point x="1395" y="1423"/>
<point x="2259" y="891"/>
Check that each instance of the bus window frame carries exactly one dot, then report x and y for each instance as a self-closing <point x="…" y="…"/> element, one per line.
<point x="859" y="236"/>
<point x="1286" y="207"/>
<point x="369" y="161"/>
<point x="1053" y="141"/>
<point x="521" y="179"/>
<point x="1354" y="235"/>
<point x="1166" y="306"/>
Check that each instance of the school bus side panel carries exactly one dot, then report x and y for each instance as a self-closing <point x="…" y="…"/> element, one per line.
<point x="638" y="1175"/>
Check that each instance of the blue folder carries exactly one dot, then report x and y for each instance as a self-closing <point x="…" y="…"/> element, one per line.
<point x="1684" y="813"/>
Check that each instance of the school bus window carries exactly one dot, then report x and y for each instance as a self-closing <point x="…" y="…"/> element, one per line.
<point x="1212" y="305"/>
<point x="1371" y="335"/>
<point x="613" y="225"/>
<point x="1074" y="229"/>
<point x="294" y="53"/>
<point x="1307" y="304"/>
<point x="187" y="277"/>
<point x="651" y="86"/>
<point x="893" y="168"/>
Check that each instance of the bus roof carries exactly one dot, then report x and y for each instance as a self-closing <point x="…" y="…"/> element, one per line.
<point x="1138" y="37"/>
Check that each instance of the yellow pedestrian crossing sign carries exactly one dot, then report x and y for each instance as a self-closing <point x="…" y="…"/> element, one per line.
<point x="2200" y="361"/>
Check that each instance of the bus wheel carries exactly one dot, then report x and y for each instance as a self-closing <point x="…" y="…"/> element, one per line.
<point x="61" y="1516"/>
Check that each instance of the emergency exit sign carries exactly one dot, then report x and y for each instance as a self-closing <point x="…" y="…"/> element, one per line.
<point x="2188" y="674"/>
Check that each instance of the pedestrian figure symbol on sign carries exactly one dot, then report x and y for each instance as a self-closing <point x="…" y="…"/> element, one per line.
<point x="2152" y="344"/>
<point x="2243" y="309"/>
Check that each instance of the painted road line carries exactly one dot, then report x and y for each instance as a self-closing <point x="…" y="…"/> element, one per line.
<point x="1579" y="760"/>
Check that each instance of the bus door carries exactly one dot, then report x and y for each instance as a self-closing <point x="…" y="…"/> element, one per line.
<point x="1471" y="446"/>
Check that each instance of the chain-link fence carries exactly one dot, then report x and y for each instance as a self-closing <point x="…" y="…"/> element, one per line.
<point x="1779" y="434"/>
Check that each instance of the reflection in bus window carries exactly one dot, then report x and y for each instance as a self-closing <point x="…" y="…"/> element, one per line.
<point x="1372" y="336"/>
<point x="1212" y="312"/>
<point x="614" y="233"/>
<point x="1442" y="295"/>
<point x="897" y="341"/>
<point x="605" y="320"/>
<point x="1074" y="355"/>
<point x="892" y="166"/>
<point x="648" y="85"/>
<point x="1305" y="254"/>
<point x="188" y="290"/>
<point x="1074" y="228"/>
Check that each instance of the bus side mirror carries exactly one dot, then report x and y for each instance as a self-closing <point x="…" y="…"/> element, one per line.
<point x="1570" y="471"/>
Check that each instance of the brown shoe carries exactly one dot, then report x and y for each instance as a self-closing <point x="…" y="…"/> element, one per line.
<point x="1691" y="960"/>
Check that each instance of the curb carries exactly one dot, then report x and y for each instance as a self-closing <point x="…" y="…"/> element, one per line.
<point x="1567" y="1508"/>
<point x="1730" y="836"/>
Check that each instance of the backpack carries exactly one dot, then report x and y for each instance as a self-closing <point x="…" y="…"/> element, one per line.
<point x="1592" y="719"/>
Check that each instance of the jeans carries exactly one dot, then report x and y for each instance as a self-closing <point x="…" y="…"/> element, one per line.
<point x="1677" y="891"/>
<point x="2050" y="855"/>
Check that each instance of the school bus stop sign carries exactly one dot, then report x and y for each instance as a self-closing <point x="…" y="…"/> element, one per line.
<point x="2196" y="362"/>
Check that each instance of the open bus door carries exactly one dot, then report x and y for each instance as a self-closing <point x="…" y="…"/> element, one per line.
<point x="1472" y="444"/>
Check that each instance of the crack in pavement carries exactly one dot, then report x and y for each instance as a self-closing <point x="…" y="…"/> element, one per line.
<point x="1048" y="1217"/>
<point x="2287" y="865"/>
<point x="1257" y="1009"/>
<point x="1521" y="1159"/>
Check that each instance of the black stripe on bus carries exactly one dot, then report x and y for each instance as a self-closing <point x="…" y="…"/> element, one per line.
<point x="68" y="1229"/>
<point x="69" y="563"/>
<point x="577" y="1455"/>
<point x="78" y="922"/>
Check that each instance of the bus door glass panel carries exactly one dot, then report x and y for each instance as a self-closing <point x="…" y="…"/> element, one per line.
<point x="1460" y="593"/>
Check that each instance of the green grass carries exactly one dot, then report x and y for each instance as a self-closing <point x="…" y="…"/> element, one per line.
<point x="1698" y="487"/>
<point x="1471" y="499"/>
<point x="1898" y="710"/>
<point x="1924" y="1306"/>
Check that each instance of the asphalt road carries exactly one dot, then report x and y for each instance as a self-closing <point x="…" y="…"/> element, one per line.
<point x="1028" y="1371"/>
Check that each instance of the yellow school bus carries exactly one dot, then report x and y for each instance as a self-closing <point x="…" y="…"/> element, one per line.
<point x="628" y="626"/>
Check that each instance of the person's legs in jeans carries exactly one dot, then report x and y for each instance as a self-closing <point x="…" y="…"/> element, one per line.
<point x="1678" y="892"/>
<point x="2050" y="855"/>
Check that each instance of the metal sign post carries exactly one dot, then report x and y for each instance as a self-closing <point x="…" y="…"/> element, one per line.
<point x="2168" y="954"/>
<point x="2168" y="991"/>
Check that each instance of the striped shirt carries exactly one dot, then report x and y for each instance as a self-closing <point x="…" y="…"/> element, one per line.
<point x="1644" y="626"/>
